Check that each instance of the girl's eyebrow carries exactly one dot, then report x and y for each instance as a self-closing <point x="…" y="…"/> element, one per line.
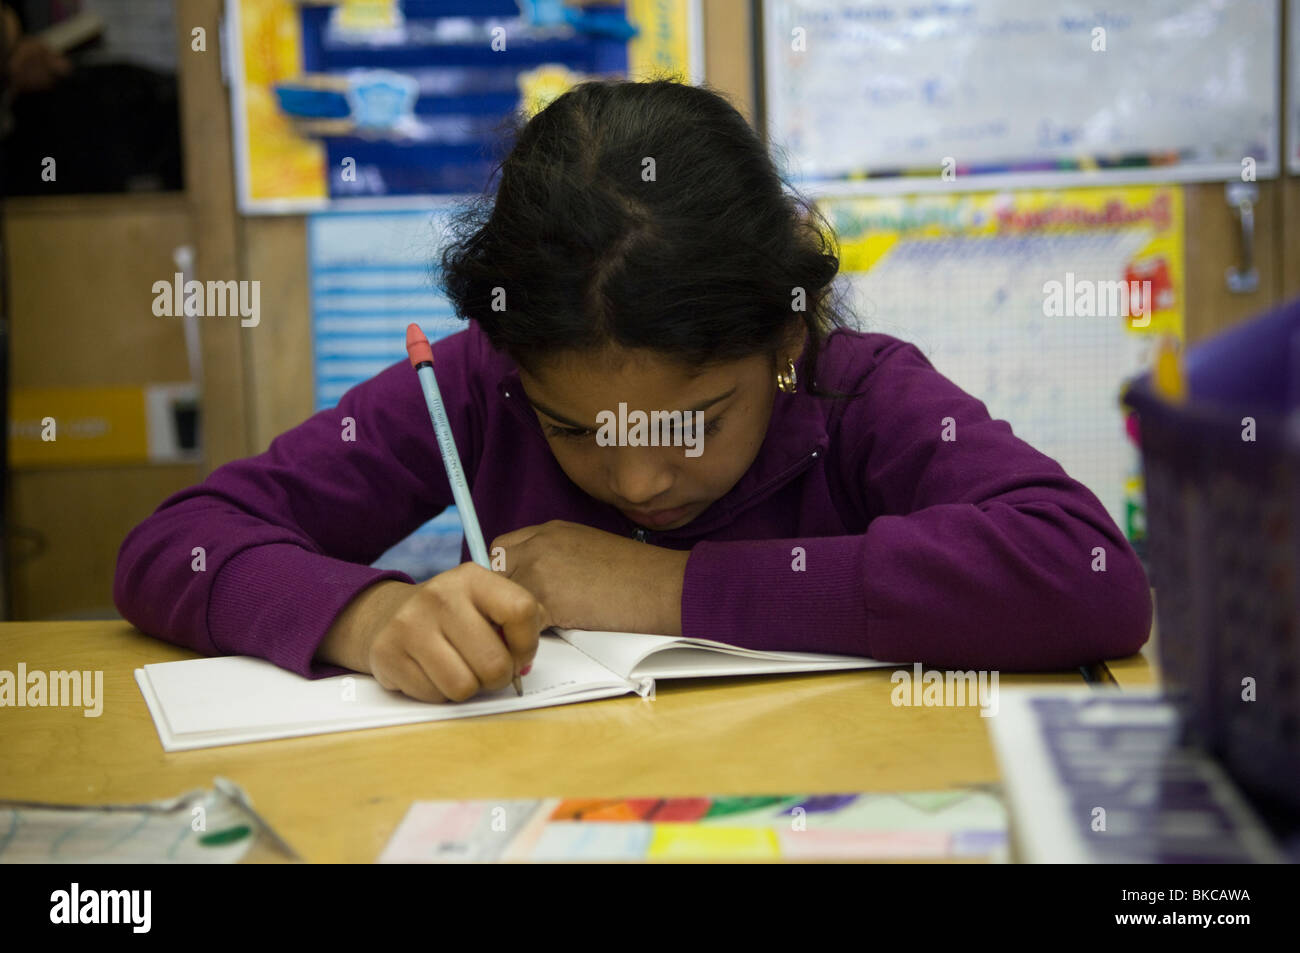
<point x="702" y="405"/>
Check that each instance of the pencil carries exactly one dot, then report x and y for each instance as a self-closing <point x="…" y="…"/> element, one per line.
<point x="421" y="355"/>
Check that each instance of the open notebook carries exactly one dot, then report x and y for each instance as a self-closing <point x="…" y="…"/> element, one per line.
<point x="201" y="703"/>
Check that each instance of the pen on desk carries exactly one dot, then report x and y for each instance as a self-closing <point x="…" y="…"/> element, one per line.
<point x="421" y="355"/>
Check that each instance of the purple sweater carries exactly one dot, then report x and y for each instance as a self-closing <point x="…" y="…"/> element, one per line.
<point x="976" y="552"/>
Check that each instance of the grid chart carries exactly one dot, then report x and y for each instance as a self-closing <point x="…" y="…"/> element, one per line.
<point x="975" y="308"/>
<point x="371" y="275"/>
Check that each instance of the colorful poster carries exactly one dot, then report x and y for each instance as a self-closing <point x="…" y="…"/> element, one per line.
<point x="398" y="101"/>
<point x="962" y="824"/>
<point x="1039" y="303"/>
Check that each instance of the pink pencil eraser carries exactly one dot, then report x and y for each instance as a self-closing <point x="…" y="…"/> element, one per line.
<point x="417" y="346"/>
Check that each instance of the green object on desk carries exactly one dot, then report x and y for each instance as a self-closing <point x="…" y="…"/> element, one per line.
<point x="227" y="836"/>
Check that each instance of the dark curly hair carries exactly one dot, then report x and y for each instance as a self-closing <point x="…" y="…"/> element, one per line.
<point x="698" y="264"/>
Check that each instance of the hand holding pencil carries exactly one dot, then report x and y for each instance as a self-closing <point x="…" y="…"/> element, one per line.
<point x="421" y="356"/>
<point x="466" y="630"/>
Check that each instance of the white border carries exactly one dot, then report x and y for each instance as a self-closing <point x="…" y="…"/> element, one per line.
<point x="999" y="182"/>
<point x="1291" y="54"/>
<point x="695" y="41"/>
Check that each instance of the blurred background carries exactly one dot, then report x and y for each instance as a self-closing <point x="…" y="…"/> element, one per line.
<point x="982" y="165"/>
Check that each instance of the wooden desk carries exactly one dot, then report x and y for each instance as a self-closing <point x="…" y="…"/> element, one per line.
<point x="338" y="797"/>
<point x="1136" y="671"/>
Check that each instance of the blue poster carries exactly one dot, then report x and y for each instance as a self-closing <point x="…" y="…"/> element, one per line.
<point x="372" y="274"/>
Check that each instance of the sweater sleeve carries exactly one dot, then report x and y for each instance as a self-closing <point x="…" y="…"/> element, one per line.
<point x="262" y="556"/>
<point x="982" y="553"/>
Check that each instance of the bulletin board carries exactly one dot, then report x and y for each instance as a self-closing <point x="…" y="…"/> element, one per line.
<point x="877" y="96"/>
<point x="392" y="103"/>
<point x="966" y="278"/>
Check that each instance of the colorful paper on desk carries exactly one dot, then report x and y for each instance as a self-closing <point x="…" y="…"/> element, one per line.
<point x="927" y="824"/>
<point x="201" y="703"/>
<point x="199" y="827"/>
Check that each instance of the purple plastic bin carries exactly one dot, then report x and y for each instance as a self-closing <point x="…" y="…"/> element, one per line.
<point x="1223" y="534"/>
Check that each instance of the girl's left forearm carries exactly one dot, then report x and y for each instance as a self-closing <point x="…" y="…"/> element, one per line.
<point x="590" y="579"/>
<point x="665" y="574"/>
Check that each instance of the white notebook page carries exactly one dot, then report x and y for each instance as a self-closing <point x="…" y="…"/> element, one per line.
<point x="636" y="656"/>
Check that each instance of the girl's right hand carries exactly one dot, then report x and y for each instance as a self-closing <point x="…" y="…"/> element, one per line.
<point x="462" y="632"/>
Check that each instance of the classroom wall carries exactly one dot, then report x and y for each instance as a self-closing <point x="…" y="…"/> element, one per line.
<point x="79" y="273"/>
<point x="273" y="249"/>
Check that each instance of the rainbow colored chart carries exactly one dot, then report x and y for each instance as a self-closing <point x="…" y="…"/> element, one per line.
<point x="964" y="824"/>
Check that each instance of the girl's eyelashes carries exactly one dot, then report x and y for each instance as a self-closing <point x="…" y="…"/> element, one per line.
<point x="577" y="433"/>
<point x="574" y="432"/>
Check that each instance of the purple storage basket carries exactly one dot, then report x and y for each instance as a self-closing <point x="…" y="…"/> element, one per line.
<point x="1223" y="537"/>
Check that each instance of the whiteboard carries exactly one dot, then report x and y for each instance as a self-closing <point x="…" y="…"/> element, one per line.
<point x="881" y="96"/>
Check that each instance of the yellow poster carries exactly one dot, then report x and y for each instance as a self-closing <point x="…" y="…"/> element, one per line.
<point x="1145" y="221"/>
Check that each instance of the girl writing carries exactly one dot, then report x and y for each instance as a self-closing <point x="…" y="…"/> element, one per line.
<point x="641" y="255"/>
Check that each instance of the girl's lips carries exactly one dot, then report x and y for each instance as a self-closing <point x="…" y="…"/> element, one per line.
<point x="657" y="517"/>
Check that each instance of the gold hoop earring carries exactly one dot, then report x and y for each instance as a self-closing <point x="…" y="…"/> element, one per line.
<point x="787" y="383"/>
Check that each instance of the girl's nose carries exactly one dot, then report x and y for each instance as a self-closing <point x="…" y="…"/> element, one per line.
<point x="636" y="478"/>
